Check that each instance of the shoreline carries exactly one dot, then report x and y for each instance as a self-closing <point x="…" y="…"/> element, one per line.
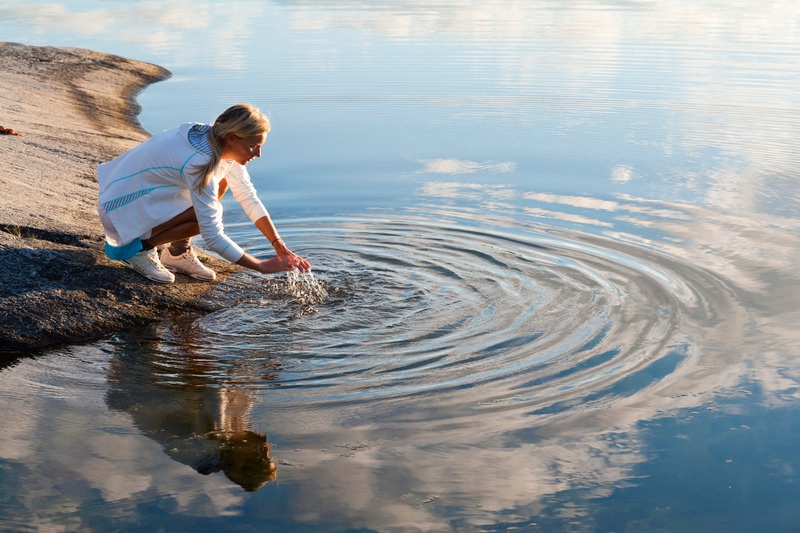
<point x="73" y="109"/>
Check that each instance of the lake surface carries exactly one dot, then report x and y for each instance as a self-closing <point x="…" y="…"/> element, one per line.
<point x="556" y="285"/>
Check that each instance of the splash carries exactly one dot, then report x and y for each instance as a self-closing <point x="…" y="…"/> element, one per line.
<point x="304" y="288"/>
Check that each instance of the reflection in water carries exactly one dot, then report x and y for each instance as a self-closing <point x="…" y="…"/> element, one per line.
<point x="454" y="334"/>
<point x="171" y="395"/>
<point x="574" y="265"/>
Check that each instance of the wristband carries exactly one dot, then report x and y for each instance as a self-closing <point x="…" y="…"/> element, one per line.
<point x="276" y="240"/>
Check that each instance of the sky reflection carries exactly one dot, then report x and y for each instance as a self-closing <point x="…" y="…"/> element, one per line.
<point x="655" y="137"/>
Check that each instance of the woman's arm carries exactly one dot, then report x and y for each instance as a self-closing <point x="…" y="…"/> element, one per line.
<point x="279" y="263"/>
<point x="239" y="181"/>
<point x="284" y="258"/>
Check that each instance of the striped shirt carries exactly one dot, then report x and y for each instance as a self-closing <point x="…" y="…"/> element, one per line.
<point x="198" y="138"/>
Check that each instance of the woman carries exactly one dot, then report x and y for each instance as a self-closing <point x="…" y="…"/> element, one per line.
<point x="168" y="189"/>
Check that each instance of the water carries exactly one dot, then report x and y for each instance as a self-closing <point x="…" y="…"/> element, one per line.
<point x="555" y="283"/>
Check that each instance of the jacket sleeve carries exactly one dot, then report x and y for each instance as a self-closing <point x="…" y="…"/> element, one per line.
<point x="245" y="193"/>
<point x="208" y="209"/>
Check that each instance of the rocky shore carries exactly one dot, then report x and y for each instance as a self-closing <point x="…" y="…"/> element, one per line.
<point x="72" y="109"/>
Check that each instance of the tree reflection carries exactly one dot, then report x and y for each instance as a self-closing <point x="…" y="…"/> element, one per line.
<point x="191" y="403"/>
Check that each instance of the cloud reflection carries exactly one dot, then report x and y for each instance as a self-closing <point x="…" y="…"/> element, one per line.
<point x="163" y="28"/>
<point x="754" y="256"/>
<point x="574" y="62"/>
<point x="457" y="166"/>
<point x="622" y="174"/>
<point x="87" y="461"/>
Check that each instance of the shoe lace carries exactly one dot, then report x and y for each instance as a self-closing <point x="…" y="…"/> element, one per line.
<point x="152" y="256"/>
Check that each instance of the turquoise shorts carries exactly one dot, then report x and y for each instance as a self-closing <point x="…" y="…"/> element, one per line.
<point x="126" y="251"/>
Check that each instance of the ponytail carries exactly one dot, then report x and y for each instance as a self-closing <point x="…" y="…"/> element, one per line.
<point x="243" y="120"/>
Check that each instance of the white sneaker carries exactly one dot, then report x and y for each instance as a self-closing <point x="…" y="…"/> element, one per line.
<point x="147" y="264"/>
<point x="187" y="263"/>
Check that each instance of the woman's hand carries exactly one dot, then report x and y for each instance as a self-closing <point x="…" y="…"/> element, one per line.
<point x="291" y="258"/>
<point x="284" y="260"/>
<point x="283" y="263"/>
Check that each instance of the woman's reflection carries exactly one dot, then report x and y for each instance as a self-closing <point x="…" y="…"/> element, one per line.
<point x="190" y="403"/>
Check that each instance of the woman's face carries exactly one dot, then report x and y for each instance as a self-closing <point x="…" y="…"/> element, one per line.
<point x="242" y="149"/>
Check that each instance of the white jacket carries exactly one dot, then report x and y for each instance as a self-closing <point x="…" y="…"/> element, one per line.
<point x="155" y="182"/>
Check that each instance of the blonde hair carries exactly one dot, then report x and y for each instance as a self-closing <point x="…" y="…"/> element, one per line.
<point x="243" y="120"/>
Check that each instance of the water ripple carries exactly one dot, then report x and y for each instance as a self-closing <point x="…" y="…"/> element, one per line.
<point x="407" y="310"/>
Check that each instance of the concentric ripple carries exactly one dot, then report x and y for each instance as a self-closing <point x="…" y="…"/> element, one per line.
<point x="450" y="317"/>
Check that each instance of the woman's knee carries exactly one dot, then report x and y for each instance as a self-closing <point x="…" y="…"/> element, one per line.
<point x="187" y="217"/>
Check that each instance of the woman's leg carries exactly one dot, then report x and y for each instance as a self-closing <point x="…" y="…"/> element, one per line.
<point x="180" y="245"/>
<point x="183" y="226"/>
